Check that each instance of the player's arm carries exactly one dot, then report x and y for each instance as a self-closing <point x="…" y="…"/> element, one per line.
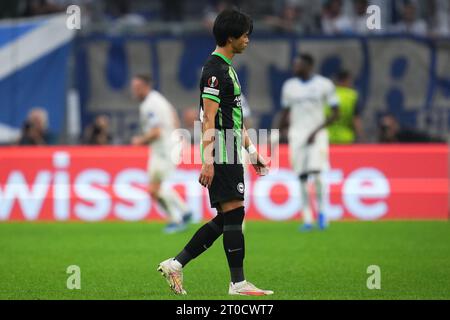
<point x="176" y="119"/>
<point x="286" y="107"/>
<point x="284" y="118"/>
<point x="152" y="129"/>
<point x="210" y="108"/>
<point x="357" y="123"/>
<point x="147" y="138"/>
<point x="329" y="120"/>
<point x="257" y="161"/>
<point x="359" y="129"/>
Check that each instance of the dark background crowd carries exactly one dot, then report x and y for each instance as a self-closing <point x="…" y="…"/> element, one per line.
<point x="420" y="17"/>
<point x="428" y="18"/>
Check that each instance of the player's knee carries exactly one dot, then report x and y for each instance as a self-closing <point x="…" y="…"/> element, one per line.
<point x="230" y="206"/>
<point x="153" y="191"/>
<point x="303" y="177"/>
<point x="154" y="194"/>
<point x="234" y="217"/>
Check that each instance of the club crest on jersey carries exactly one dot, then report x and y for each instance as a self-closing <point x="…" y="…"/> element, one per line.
<point x="241" y="187"/>
<point x="213" y="82"/>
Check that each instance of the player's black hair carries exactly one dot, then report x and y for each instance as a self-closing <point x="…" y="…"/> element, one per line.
<point x="231" y="23"/>
<point x="342" y="75"/>
<point x="306" y="57"/>
<point x="144" y="77"/>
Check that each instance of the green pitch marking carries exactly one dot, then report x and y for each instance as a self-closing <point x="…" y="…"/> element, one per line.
<point x="119" y="260"/>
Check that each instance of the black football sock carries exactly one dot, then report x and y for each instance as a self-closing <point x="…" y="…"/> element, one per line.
<point x="233" y="243"/>
<point x="202" y="240"/>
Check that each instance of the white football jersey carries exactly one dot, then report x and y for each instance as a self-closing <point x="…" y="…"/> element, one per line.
<point x="156" y="111"/>
<point x="307" y="101"/>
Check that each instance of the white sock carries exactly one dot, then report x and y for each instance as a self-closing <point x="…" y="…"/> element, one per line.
<point x="319" y="192"/>
<point x="306" y="209"/>
<point x="175" y="264"/>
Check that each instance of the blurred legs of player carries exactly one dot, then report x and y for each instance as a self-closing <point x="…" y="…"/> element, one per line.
<point x="308" y="218"/>
<point x="169" y="200"/>
<point x="306" y="209"/>
<point x="308" y="162"/>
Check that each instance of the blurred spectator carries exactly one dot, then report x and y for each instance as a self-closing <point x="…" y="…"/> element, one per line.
<point x="11" y="8"/>
<point x="289" y="20"/>
<point x="333" y="20"/>
<point x="212" y="11"/>
<point x="35" y="129"/>
<point x="390" y="131"/>
<point x="286" y="16"/>
<point x="172" y="10"/>
<point x="98" y="133"/>
<point x="40" y="7"/>
<point x="117" y="8"/>
<point x="27" y="8"/>
<point x="119" y="11"/>
<point x="438" y="14"/>
<point x="359" y="20"/>
<point x="410" y="22"/>
<point x="348" y="127"/>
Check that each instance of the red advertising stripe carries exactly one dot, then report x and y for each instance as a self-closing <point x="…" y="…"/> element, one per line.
<point x="367" y="182"/>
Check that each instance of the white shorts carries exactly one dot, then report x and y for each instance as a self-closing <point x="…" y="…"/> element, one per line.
<point x="310" y="158"/>
<point x="159" y="168"/>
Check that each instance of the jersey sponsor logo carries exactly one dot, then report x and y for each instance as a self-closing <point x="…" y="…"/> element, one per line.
<point x="238" y="101"/>
<point x="213" y="82"/>
<point x="211" y="91"/>
<point x="241" y="187"/>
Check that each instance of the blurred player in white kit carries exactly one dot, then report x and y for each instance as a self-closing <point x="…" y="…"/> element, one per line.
<point x="158" y="119"/>
<point x="304" y="98"/>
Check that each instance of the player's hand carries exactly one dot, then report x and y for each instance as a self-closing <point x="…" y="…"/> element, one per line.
<point x="136" y="141"/>
<point x="206" y="175"/>
<point x="259" y="164"/>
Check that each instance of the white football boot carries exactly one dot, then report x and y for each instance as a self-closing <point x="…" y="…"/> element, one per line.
<point x="246" y="288"/>
<point x="173" y="276"/>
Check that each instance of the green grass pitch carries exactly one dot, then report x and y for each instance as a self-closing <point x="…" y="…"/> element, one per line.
<point x="118" y="261"/>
